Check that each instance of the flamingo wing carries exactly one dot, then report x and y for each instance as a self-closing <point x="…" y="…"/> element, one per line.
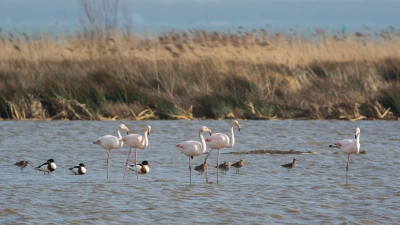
<point x="134" y="140"/>
<point x="110" y="142"/>
<point x="217" y="140"/>
<point x="347" y="146"/>
<point x="190" y="148"/>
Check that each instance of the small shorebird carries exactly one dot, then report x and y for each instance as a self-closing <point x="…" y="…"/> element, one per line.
<point x="48" y="166"/>
<point x="140" y="168"/>
<point x="290" y="165"/>
<point x="22" y="164"/>
<point x="79" y="169"/>
<point x="349" y="146"/>
<point x="200" y="168"/>
<point x="238" y="165"/>
<point x="224" y="166"/>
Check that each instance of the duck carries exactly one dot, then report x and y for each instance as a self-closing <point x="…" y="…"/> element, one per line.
<point x="79" y="169"/>
<point x="47" y="167"/>
<point x="144" y="167"/>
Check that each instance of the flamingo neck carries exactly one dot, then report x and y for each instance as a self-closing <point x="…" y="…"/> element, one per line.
<point x="146" y="140"/>
<point x="203" y="142"/>
<point x="232" y="137"/>
<point x="358" y="142"/>
<point x="119" y="138"/>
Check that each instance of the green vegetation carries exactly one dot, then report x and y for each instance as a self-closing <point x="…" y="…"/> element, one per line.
<point x="196" y="74"/>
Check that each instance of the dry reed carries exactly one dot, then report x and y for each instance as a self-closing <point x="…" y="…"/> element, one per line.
<point x="196" y="74"/>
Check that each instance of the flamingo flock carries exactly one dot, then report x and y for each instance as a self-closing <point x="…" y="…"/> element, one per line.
<point x="189" y="148"/>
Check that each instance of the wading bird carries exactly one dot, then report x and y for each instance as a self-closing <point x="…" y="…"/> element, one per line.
<point x="225" y="166"/>
<point x="290" y="165"/>
<point x="110" y="142"/>
<point x="238" y="165"/>
<point x="136" y="141"/>
<point x="218" y="141"/>
<point x="194" y="148"/>
<point x="22" y="164"/>
<point x="200" y="168"/>
<point x="349" y="146"/>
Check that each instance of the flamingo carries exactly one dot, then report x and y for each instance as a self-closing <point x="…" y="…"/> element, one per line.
<point x="194" y="148"/>
<point x="290" y="165"/>
<point x="349" y="146"/>
<point x="79" y="169"/>
<point x="136" y="141"/>
<point x="218" y="141"/>
<point x="110" y="142"/>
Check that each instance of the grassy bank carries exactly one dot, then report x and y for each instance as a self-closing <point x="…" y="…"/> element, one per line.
<point x="195" y="74"/>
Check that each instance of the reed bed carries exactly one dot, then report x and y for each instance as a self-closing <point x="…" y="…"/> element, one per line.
<point x="198" y="74"/>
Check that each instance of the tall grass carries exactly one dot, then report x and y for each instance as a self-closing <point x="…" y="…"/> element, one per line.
<point x="199" y="74"/>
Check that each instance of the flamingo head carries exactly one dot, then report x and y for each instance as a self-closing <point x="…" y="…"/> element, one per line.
<point x="357" y="132"/>
<point x="122" y="126"/>
<point x="236" y="123"/>
<point x="205" y="129"/>
<point x="148" y="130"/>
<point x="97" y="142"/>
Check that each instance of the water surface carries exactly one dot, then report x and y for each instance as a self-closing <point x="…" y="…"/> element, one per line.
<point x="316" y="191"/>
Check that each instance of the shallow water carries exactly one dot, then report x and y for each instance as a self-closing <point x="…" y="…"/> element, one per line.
<point x="316" y="191"/>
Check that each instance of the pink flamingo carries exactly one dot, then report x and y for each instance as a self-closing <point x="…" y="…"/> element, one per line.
<point x="194" y="148"/>
<point x="349" y="146"/>
<point x="110" y="142"/>
<point x="136" y="141"/>
<point x="218" y="141"/>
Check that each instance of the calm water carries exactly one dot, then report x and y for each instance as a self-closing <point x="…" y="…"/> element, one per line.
<point x="316" y="191"/>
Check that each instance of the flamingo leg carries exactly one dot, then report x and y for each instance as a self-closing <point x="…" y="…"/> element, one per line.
<point x="190" y="170"/>
<point x="108" y="158"/>
<point x="348" y="160"/>
<point x="218" y="165"/>
<point x="206" y="165"/>
<point x="127" y="161"/>
<point x="137" y="173"/>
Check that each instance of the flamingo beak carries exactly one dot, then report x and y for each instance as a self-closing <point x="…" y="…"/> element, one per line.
<point x="209" y="131"/>
<point x="127" y="131"/>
